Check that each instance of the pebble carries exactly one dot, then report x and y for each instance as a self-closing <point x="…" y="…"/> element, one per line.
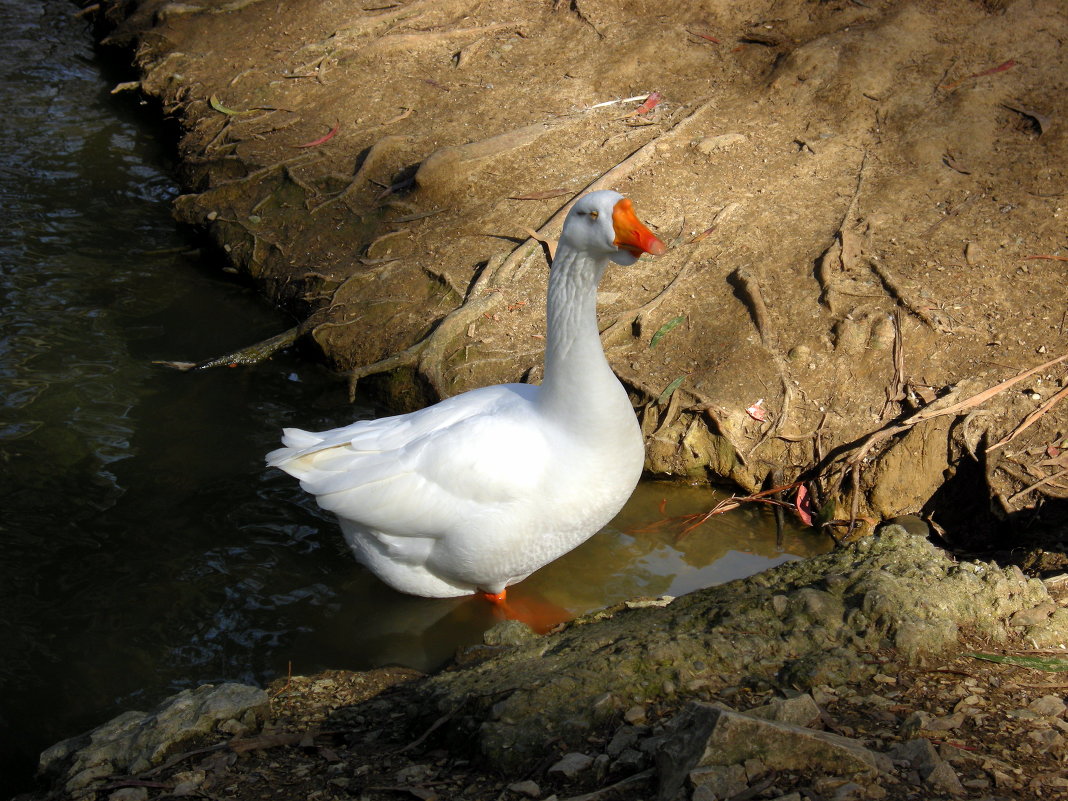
<point x="571" y="765"/>
<point x="635" y="715"/>
<point x="529" y="788"/>
<point x="1049" y="706"/>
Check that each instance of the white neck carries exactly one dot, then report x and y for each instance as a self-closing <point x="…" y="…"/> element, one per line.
<point x="580" y="391"/>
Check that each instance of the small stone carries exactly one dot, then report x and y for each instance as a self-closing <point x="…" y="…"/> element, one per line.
<point x="1047" y="738"/>
<point x="1004" y="781"/>
<point x="723" y="780"/>
<point x="919" y="753"/>
<point x="1023" y="714"/>
<point x="850" y="791"/>
<point x="715" y="144"/>
<point x="601" y="765"/>
<point x="944" y="778"/>
<point x="571" y="765"/>
<point x="1049" y="706"/>
<point x="629" y="761"/>
<point x="528" y="787"/>
<point x="1036" y="615"/>
<point x="412" y="774"/>
<point x="234" y="728"/>
<point x="635" y="715"/>
<point x="187" y="781"/>
<point x="624" y="738"/>
<point x="800" y="710"/>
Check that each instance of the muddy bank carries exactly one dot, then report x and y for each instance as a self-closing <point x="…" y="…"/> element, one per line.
<point x="843" y="670"/>
<point x="865" y="203"/>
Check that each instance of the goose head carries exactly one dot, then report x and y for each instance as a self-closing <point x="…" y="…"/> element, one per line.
<point x="603" y="224"/>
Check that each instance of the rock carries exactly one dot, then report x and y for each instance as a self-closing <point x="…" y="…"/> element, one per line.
<point x="800" y="711"/>
<point x="528" y="788"/>
<point x="703" y="735"/>
<point x="889" y="589"/>
<point x="722" y="781"/>
<point x="943" y="777"/>
<point x="601" y="765"/>
<point x="1051" y="633"/>
<point x="629" y="761"/>
<point x="509" y="632"/>
<point x="716" y="144"/>
<point x="1034" y="616"/>
<point x="635" y="715"/>
<point x="919" y="753"/>
<point x="922" y="757"/>
<point x="135" y="741"/>
<point x="187" y="781"/>
<point x="571" y="765"/>
<point x="624" y="738"/>
<point x="412" y="774"/>
<point x="1049" y="706"/>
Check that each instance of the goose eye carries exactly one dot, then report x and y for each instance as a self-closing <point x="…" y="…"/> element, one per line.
<point x="593" y="215"/>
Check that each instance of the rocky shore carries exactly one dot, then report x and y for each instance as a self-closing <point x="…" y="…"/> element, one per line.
<point x="883" y="670"/>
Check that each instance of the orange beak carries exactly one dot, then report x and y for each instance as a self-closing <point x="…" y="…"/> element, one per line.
<point x="631" y="235"/>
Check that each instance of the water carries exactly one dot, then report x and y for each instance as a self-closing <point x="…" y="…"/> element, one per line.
<point x="143" y="547"/>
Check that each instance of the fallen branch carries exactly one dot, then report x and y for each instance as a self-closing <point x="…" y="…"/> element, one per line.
<point x="1038" y="484"/>
<point x="1031" y="418"/>
<point x="253" y="354"/>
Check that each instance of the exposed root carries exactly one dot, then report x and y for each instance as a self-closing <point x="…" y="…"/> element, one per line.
<point x="253" y="354"/>
<point x="428" y="355"/>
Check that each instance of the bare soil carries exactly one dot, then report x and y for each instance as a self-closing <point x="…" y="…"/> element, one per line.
<point x="866" y="203"/>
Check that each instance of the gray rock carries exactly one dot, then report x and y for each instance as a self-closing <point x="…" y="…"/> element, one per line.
<point x="919" y="753"/>
<point x="601" y="765"/>
<point x="509" y="632"/>
<point x="722" y="781"/>
<point x="801" y="710"/>
<point x="528" y="788"/>
<point x="135" y="741"/>
<point x="703" y="735"/>
<point x="943" y="777"/>
<point x="629" y="761"/>
<point x="625" y="737"/>
<point x="929" y="766"/>
<point x="571" y="765"/>
<point x="1049" y="706"/>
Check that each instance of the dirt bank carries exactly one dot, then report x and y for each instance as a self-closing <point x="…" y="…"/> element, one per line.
<point x="865" y="202"/>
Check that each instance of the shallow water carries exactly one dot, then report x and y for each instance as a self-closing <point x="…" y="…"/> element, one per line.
<point x="143" y="547"/>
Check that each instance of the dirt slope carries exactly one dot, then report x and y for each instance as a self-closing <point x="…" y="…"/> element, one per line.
<point x="866" y="202"/>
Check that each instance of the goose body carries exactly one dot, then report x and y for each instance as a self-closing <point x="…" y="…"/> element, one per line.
<point x="478" y="491"/>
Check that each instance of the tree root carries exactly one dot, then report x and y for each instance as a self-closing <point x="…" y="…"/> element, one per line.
<point x="428" y="355"/>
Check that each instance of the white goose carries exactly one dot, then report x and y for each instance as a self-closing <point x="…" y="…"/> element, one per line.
<point x="477" y="492"/>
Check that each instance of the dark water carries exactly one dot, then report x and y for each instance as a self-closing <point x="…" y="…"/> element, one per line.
<point x="143" y="548"/>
